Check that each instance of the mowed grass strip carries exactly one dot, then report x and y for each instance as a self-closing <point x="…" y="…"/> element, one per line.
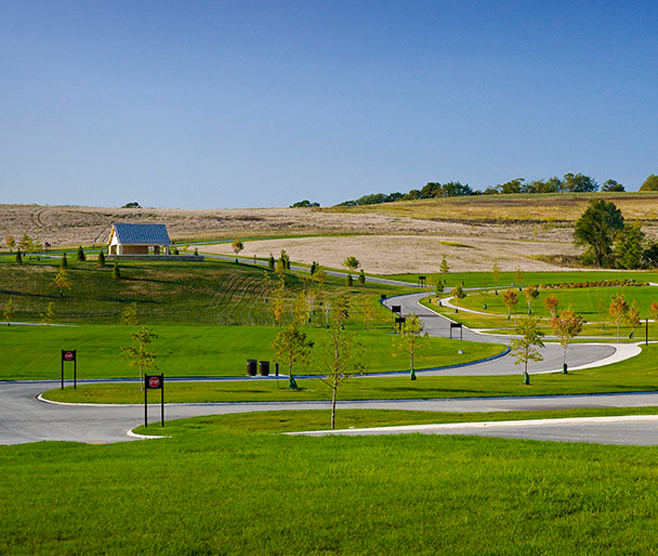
<point x="208" y="490"/>
<point x="639" y="374"/>
<point x="32" y="352"/>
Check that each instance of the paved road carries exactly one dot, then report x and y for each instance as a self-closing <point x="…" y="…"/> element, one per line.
<point x="579" y="355"/>
<point x="23" y="418"/>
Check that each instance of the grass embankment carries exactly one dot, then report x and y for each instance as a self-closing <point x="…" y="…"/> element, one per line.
<point x="188" y="350"/>
<point x="211" y="292"/>
<point x="637" y="374"/>
<point x="213" y="490"/>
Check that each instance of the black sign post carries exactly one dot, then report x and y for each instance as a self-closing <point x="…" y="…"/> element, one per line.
<point x="400" y="321"/>
<point x="70" y="355"/>
<point x="456" y="325"/>
<point x="396" y="308"/>
<point x="153" y="382"/>
<point x="421" y="281"/>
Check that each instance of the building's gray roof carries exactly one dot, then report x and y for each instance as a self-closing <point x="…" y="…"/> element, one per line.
<point x="142" y="234"/>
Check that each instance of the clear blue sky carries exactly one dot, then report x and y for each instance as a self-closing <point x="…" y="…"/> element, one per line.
<point x="211" y="104"/>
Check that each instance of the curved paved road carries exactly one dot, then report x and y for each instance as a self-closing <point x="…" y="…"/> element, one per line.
<point x="23" y="418"/>
<point x="578" y="355"/>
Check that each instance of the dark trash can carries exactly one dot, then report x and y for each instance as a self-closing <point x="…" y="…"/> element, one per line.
<point x="264" y="368"/>
<point x="251" y="367"/>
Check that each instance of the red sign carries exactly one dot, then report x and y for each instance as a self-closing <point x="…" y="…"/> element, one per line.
<point x="68" y="355"/>
<point x="153" y="382"/>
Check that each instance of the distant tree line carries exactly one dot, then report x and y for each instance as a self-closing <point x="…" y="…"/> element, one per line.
<point x="569" y="183"/>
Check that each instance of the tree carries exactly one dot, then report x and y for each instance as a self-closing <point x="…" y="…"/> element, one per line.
<point x="551" y="303"/>
<point x="495" y="275"/>
<point x="596" y="228"/>
<point x="285" y="259"/>
<point x="340" y="359"/>
<point x="49" y="316"/>
<point x="510" y="299"/>
<point x="566" y="326"/>
<point x="237" y="246"/>
<point x="439" y="287"/>
<point x="63" y="262"/>
<point x="116" y="272"/>
<point x="618" y="309"/>
<point x="129" y="315"/>
<point x="291" y="346"/>
<point x="362" y="278"/>
<point x="138" y="354"/>
<point x="26" y="244"/>
<point x="579" y="183"/>
<point x="518" y="276"/>
<point x="524" y="349"/>
<point x="349" y="281"/>
<point x="326" y="309"/>
<point x="459" y="294"/>
<point x="300" y="309"/>
<point x="271" y="262"/>
<point x="9" y="311"/>
<point x="612" y="186"/>
<point x="369" y="311"/>
<point x="133" y="204"/>
<point x="411" y="340"/>
<point x="351" y="263"/>
<point x="10" y="242"/>
<point x="61" y="281"/>
<point x="632" y="317"/>
<point x="444" y="268"/>
<point x="342" y="312"/>
<point x="531" y="293"/>
<point x="629" y="251"/>
<point x="314" y="267"/>
<point x="650" y="184"/>
<point x="101" y="258"/>
<point x="278" y="307"/>
<point x="81" y="254"/>
<point x="19" y="257"/>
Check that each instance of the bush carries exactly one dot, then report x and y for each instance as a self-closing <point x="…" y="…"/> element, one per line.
<point x="101" y="259"/>
<point x="64" y="262"/>
<point x="81" y="254"/>
<point x="116" y="273"/>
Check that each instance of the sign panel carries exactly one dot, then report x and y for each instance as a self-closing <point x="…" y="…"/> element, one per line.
<point x="153" y="382"/>
<point x="68" y="355"/>
<point x="396" y="308"/>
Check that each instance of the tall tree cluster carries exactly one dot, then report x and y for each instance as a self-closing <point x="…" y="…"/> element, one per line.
<point x="610" y="241"/>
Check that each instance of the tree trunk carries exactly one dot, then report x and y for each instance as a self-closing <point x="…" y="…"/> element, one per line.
<point x="333" y="405"/>
<point x="564" y="361"/>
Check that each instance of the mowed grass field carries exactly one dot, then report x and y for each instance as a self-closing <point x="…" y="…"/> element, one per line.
<point x="212" y="489"/>
<point x="34" y="352"/>
<point x="639" y="374"/>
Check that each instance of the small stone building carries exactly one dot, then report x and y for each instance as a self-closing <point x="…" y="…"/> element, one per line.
<point x="138" y="239"/>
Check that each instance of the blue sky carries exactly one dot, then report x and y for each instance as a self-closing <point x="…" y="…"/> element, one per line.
<point x="248" y="104"/>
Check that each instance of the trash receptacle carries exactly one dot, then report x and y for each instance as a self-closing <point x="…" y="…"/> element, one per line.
<point x="251" y="367"/>
<point x="264" y="368"/>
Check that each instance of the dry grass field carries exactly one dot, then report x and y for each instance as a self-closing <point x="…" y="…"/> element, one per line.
<point x="396" y="254"/>
<point x="513" y="230"/>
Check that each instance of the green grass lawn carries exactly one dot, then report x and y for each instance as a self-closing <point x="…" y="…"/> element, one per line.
<point x="209" y="292"/>
<point x="33" y="352"/>
<point x="211" y="489"/>
<point x="637" y="374"/>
